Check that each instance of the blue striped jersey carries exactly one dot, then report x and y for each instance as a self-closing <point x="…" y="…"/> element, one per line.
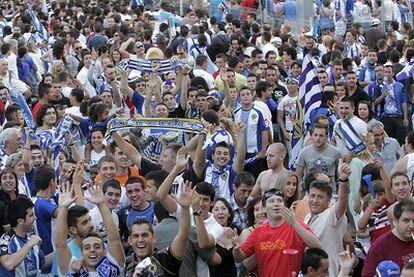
<point x="254" y="126"/>
<point x="10" y="243"/>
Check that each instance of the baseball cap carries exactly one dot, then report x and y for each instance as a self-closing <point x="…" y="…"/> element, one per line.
<point x="293" y="80"/>
<point x="375" y="22"/>
<point x="388" y="269"/>
<point x="276" y="40"/>
<point x="169" y="83"/>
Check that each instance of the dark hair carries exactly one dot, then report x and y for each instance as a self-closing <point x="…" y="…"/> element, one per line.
<point x="410" y="139"/>
<point x="403" y="206"/>
<point x="244" y="177"/>
<point x="250" y="210"/>
<point x="215" y="105"/>
<point x="228" y="206"/>
<point x="42" y="177"/>
<point x="97" y="110"/>
<point x="74" y="213"/>
<point x="78" y="94"/>
<point x="318" y="125"/>
<point x="310" y="177"/>
<point x="18" y="209"/>
<point x="94" y="235"/>
<point x="42" y="112"/>
<point x="111" y="184"/>
<point x="348" y="100"/>
<point x="409" y="266"/>
<point x="11" y="111"/>
<point x="136" y="179"/>
<point x="158" y="176"/>
<point x="211" y="117"/>
<point x="323" y="186"/>
<point x="370" y="113"/>
<point x="143" y="221"/>
<point x="398" y="173"/>
<point x="312" y="258"/>
<point x="261" y="87"/>
<point x="375" y="175"/>
<point x="43" y="89"/>
<point x="206" y="189"/>
<point x="221" y="144"/>
<point x="10" y="170"/>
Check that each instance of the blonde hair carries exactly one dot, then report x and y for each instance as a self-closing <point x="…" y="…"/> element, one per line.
<point x="281" y="182"/>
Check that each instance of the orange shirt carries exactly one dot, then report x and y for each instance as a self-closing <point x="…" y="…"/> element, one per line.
<point x="302" y="208"/>
<point x="133" y="171"/>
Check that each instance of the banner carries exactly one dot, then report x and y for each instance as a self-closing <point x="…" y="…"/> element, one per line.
<point x="350" y="137"/>
<point x="160" y="66"/>
<point x="175" y="124"/>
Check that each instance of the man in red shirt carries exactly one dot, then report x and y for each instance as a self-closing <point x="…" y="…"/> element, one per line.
<point x="279" y="244"/>
<point x="397" y="245"/>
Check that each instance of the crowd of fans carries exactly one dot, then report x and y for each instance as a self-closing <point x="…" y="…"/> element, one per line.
<point x="106" y="197"/>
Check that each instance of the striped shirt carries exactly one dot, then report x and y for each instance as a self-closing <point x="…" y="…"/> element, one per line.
<point x="10" y="243"/>
<point x="221" y="179"/>
<point x="254" y="126"/>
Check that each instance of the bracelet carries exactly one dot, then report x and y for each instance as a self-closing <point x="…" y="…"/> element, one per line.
<point x="343" y="181"/>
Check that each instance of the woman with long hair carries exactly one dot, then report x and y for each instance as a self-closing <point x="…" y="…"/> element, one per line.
<point x="288" y="183"/>
<point x="256" y="215"/>
<point x="223" y="214"/>
<point x="46" y="118"/>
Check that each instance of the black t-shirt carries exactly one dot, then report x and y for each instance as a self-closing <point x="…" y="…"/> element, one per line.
<point x="64" y="101"/>
<point x="177" y="113"/>
<point x="163" y="263"/>
<point x="227" y="268"/>
<point x="358" y="96"/>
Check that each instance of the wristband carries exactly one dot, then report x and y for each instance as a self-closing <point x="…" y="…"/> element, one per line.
<point x="343" y="181"/>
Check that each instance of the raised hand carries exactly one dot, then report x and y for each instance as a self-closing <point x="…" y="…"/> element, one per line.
<point x="182" y="159"/>
<point x="195" y="202"/>
<point x="223" y="74"/>
<point x="240" y="126"/>
<point x="235" y="239"/>
<point x="186" y="195"/>
<point x="66" y="195"/>
<point x="346" y="259"/>
<point x="344" y="171"/>
<point x="287" y="215"/>
<point x="78" y="175"/>
<point x="379" y="164"/>
<point x="96" y="194"/>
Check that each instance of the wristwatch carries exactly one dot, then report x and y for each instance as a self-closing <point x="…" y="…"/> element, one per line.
<point x="197" y="213"/>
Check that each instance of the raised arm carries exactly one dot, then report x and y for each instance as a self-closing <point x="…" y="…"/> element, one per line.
<point x="124" y="87"/>
<point x="343" y="194"/>
<point x="132" y="153"/>
<point x="115" y="247"/>
<point x="179" y="243"/>
<point x="205" y="240"/>
<point x="385" y="181"/>
<point x="163" y="192"/>
<point x="184" y="90"/>
<point x="199" y="164"/>
<point x="78" y="177"/>
<point x="238" y="164"/>
<point x="227" y="97"/>
<point x="26" y="151"/>
<point x="63" y="252"/>
<point x="124" y="46"/>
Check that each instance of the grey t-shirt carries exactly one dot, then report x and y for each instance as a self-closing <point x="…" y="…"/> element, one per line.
<point x="326" y="160"/>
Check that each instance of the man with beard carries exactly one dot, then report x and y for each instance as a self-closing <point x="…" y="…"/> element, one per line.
<point x="92" y="253"/>
<point x="19" y="248"/>
<point x="367" y="74"/>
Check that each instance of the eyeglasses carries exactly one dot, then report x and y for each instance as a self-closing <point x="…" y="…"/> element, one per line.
<point x="139" y="46"/>
<point x="181" y="53"/>
<point x="78" y="48"/>
<point x="269" y="193"/>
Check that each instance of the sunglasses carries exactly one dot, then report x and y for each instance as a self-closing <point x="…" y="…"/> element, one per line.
<point x="139" y="46"/>
<point x="78" y="48"/>
<point x="269" y="193"/>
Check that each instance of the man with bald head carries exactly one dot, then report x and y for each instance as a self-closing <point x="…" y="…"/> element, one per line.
<point x="275" y="156"/>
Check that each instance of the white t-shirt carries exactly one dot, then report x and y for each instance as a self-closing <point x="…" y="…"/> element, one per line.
<point x="288" y="105"/>
<point x="83" y="78"/>
<point x="97" y="220"/>
<point x="216" y="230"/>
<point x="206" y="76"/>
<point x="330" y="231"/>
<point x="74" y="110"/>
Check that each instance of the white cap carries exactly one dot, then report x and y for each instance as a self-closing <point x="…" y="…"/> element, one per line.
<point x="375" y="22"/>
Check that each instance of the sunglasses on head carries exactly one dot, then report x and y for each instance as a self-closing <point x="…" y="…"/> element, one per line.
<point x="269" y="193"/>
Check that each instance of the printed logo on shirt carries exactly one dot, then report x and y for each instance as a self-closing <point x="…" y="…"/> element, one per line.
<point x="280" y="244"/>
<point x="223" y="176"/>
<point x="254" y="116"/>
